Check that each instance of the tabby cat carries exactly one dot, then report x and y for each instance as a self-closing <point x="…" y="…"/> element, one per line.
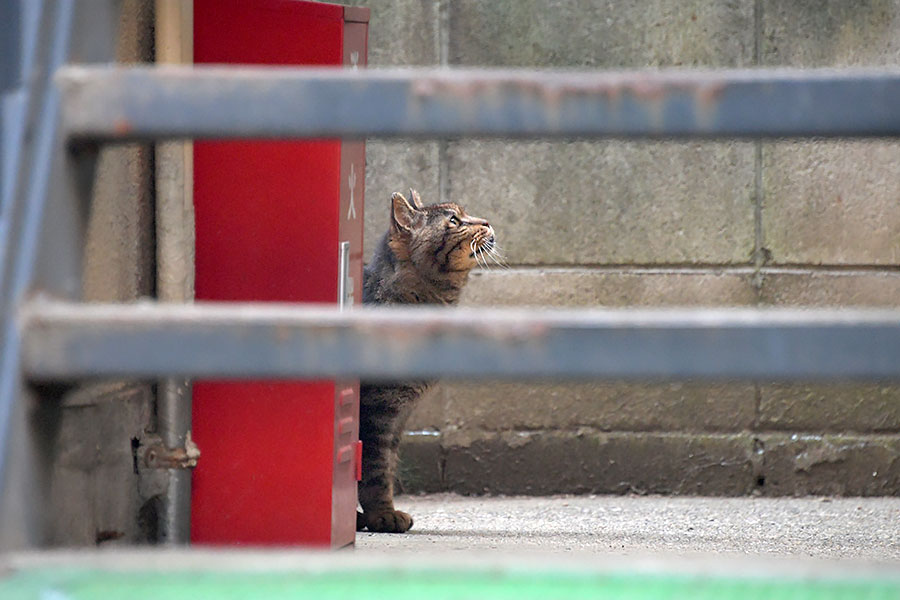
<point x="424" y="258"/>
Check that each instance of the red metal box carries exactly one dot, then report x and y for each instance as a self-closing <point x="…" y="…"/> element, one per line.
<point x="277" y="221"/>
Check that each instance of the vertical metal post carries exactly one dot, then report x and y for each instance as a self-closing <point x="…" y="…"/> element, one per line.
<point x="175" y="266"/>
<point x="45" y="235"/>
<point x="20" y="467"/>
<point x="11" y="105"/>
<point x="19" y="22"/>
<point x="10" y="44"/>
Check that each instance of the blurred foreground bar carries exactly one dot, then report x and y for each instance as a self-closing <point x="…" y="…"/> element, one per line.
<point x="132" y="103"/>
<point x="68" y="341"/>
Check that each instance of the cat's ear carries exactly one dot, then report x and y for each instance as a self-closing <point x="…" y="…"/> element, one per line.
<point x="415" y="199"/>
<point x="402" y="213"/>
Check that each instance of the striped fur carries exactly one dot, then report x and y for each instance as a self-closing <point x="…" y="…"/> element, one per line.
<point x="424" y="258"/>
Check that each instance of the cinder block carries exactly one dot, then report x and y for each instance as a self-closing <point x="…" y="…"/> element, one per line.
<point x="840" y="407"/>
<point x="835" y="407"/>
<point x="830" y="33"/>
<point x="402" y="32"/>
<point x="421" y="465"/>
<point x="833" y="465"/>
<point x="578" y="203"/>
<point x="567" y="33"/>
<point x="603" y="406"/>
<point x="608" y="287"/>
<point x="607" y="202"/>
<point x="832" y="202"/>
<point x="830" y="288"/>
<point x="551" y="463"/>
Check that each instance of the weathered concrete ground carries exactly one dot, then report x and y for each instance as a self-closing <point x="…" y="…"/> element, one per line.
<point x="866" y="529"/>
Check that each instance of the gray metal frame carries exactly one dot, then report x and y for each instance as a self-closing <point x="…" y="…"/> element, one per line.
<point x="42" y="247"/>
<point x="65" y="341"/>
<point x="60" y="340"/>
<point x="115" y="103"/>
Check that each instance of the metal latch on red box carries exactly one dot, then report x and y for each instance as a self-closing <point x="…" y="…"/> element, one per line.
<point x="159" y="456"/>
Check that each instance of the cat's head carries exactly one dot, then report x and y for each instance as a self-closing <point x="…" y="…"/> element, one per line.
<point x="439" y="238"/>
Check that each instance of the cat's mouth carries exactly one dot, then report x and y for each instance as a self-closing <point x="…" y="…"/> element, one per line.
<point x="485" y="246"/>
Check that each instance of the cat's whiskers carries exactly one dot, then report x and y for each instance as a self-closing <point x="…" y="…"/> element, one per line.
<point x="494" y="252"/>
<point x="483" y="251"/>
<point x="497" y="256"/>
<point x="496" y="261"/>
<point x="479" y="258"/>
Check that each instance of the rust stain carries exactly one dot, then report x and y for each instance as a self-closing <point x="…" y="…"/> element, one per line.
<point x="122" y="126"/>
<point x="709" y="94"/>
<point x="645" y="88"/>
<point x="707" y="98"/>
<point x="108" y="536"/>
<point x="650" y="89"/>
<point x="551" y="89"/>
<point x="282" y="333"/>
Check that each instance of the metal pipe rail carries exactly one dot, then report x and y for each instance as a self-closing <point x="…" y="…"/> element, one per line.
<point x="132" y="103"/>
<point x="52" y="341"/>
<point x="67" y="341"/>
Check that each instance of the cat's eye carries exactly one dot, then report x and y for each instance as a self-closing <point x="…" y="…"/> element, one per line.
<point x="454" y="220"/>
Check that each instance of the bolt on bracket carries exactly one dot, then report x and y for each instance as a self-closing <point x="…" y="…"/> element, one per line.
<point x="158" y="456"/>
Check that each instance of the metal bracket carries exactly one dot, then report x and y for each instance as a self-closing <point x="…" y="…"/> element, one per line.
<point x="345" y="280"/>
<point x="158" y="456"/>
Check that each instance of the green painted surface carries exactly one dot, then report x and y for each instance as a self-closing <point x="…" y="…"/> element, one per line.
<point x="88" y="584"/>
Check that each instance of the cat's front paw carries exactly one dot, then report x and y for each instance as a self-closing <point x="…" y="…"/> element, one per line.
<point x="389" y="521"/>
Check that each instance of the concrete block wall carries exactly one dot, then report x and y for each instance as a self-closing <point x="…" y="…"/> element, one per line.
<point x="612" y="223"/>
<point x="99" y="492"/>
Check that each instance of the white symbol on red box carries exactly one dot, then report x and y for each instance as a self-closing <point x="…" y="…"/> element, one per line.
<point x="351" y="212"/>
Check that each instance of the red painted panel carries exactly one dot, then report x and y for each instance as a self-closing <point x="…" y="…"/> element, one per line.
<point x="265" y="470"/>
<point x="263" y="230"/>
<point x="269" y="218"/>
<point x="268" y="32"/>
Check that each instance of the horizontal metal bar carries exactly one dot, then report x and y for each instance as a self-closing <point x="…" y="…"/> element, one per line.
<point x="63" y="341"/>
<point x="127" y="103"/>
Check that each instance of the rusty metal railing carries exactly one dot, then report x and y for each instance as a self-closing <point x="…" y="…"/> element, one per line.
<point x="70" y="110"/>
<point x="128" y="103"/>
<point x="71" y="341"/>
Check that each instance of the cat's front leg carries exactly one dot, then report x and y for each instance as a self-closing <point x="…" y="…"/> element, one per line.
<point x="380" y="419"/>
<point x="362" y="522"/>
<point x="376" y="490"/>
